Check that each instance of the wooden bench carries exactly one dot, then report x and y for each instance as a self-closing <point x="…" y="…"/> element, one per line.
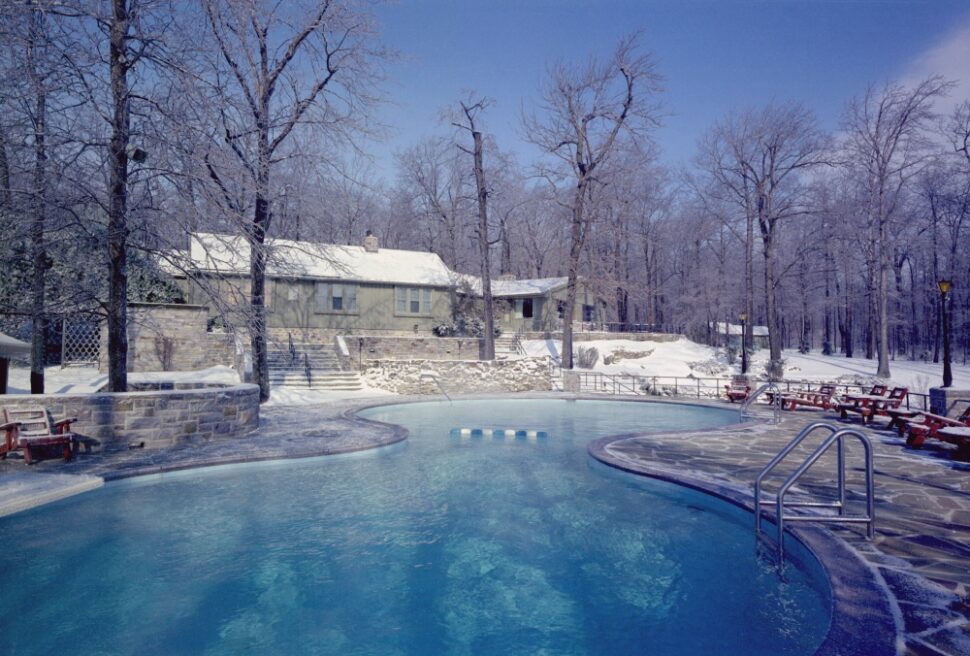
<point x="31" y="430"/>
<point x="926" y="424"/>
<point x="820" y="398"/>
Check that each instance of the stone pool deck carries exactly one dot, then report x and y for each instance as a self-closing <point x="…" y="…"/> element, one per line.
<point x="921" y="550"/>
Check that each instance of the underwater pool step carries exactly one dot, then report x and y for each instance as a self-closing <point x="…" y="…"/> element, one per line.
<point x="500" y="433"/>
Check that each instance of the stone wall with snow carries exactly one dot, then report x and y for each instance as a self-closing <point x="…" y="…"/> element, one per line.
<point x="159" y="419"/>
<point x="363" y="349"/>
<point x="459" y="377"/>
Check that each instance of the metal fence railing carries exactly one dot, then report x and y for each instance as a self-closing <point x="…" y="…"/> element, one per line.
<point x="709" y="388"/>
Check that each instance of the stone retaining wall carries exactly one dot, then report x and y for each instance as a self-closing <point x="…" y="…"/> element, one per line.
<point x="412" y="376"/>
<point x="362" y="348"/>
<point x="159" y="419"/>
<point x="171" y="337"/>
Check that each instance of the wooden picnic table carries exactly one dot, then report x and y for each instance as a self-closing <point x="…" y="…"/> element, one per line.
<point x="960" y="436"/>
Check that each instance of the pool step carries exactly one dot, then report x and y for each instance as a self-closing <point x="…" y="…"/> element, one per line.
<point x="499" y="433"/>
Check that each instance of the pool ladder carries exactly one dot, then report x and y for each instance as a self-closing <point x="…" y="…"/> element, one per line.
<point x="836" y="437"/>
<point x="775" y="401"/>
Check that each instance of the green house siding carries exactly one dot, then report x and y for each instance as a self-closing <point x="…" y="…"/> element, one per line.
<point x="545" y="310"/>
<point x="304" y="304"/>
<point x="310" y="304"/>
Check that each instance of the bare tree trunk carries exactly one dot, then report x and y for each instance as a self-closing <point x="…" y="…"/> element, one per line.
<point x="746" y="341"/>
<point x="257" y="252"/>
<point x="118" y="203"/>
<point x="882" y="300"/>
<point x="6" y="194"/>
<point x="774" y="370"/>
<point x="38" y="208"/>
<point x="488" y="342"/>
<point x="577" y="234"/>
<point x="38" y="310"/>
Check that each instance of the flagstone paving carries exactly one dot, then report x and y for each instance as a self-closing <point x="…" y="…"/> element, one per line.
<point x="922" y="544"/>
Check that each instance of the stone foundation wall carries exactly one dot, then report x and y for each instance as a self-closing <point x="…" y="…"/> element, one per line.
<point x="171" y="337"/>
<point x="158" y="418"/>
<point x="364" y="348"/>
<point x="413" y="376"/>
<point x="633" y="337"/>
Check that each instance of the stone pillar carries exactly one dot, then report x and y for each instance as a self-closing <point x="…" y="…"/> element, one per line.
<point x="941" y="398"/>
<point x="570" y="381"/>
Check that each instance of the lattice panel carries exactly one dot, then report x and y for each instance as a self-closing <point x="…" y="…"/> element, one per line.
<point x="81" y="342"/>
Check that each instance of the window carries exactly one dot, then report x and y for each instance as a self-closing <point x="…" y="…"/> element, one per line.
<point x="412" y="300"/>
<point x="523" y="308"/>
<point x="561" y="308"/>
<point x="335" y="297"/>
<point x="587" y="313"/>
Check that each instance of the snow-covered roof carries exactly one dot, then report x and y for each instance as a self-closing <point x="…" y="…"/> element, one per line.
<point x="509" y="288"/>
<point x="735" y="329"/>
<point x="11" y="348"/>
<point x="227" y="254"/>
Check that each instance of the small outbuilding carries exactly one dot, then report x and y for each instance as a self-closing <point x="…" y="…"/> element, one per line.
<point x="10" y="348"/>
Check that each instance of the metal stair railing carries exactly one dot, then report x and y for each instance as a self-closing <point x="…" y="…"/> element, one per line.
<point x="775" y="401"/>
<point x="427" y="375"/>
<point x="836" y="437"/>
<point x="517" y="346"/>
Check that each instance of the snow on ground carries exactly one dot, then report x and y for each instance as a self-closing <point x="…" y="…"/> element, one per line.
<point x="85" y="380"/>
<point x="686" y="358"/>
<point x="58" y="380"/>
<point x="681" y="358"/>
<point x="288" y="396"/>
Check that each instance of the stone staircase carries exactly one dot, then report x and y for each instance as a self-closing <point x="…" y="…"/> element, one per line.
<point x="505" y="348"/>
<point x="325" y="371"/>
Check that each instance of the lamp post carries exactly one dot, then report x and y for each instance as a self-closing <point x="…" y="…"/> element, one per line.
<point x="945" y="287"/>
<point x="744" y="347"/>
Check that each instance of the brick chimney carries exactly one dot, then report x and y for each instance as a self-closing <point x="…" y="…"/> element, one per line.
<point x="370" y="242"/>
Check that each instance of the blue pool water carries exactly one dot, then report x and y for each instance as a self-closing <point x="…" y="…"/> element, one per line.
<point x="443" y="544"/>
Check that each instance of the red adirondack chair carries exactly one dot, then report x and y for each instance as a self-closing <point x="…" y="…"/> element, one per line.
<point x="30" y="430"/>
<point x="880" y="408"/>
<point x="738" y="389"/>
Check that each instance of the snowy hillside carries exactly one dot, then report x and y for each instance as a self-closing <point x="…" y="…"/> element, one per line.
<point x="686" y="358"/>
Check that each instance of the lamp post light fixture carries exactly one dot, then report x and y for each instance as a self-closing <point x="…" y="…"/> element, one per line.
<point x="744" y="347"/>
<point x="945" y="287"/>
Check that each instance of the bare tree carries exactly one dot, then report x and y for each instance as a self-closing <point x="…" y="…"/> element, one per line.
<point x="470" y="112"/>
<point x="887" y="144"/>
<point x="288" y="65"/>
<point x="757" y="157"/>
<point x="582" y="115"/>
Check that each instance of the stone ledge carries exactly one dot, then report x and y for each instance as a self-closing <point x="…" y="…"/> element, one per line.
<point x="24" y="490"/>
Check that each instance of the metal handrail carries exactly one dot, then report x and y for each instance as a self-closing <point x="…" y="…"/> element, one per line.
<point x="767" y="469"/>
<point x="430" y="376"/>
<point x="775" y="401"/>
<point x="836" y="437"/>
<point x="517" y="346"/>
<point x="306" y="370"/>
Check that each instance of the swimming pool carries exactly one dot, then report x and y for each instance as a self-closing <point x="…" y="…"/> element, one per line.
<point x="446" y="543"/>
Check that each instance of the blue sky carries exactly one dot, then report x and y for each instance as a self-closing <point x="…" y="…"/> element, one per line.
<point x="715" y="55"/>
